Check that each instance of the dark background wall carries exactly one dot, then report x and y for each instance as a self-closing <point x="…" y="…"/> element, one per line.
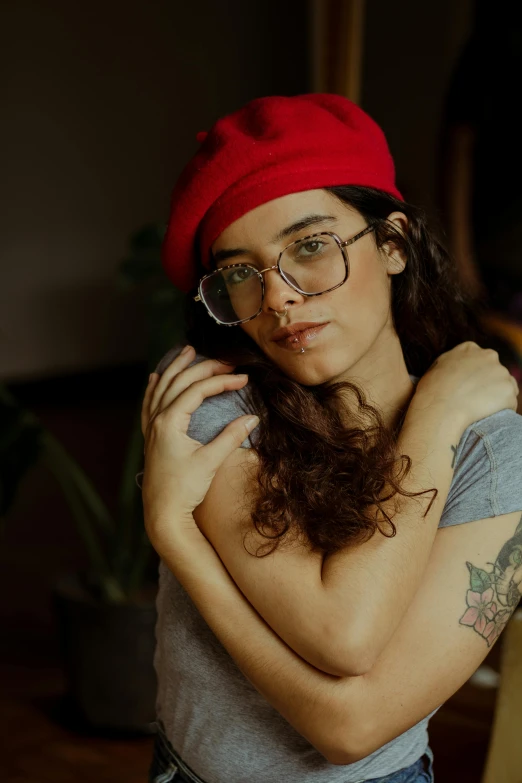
<point x="101" y="103"/>
<point x="100" y="107"/>
<point x="410" y="50"/>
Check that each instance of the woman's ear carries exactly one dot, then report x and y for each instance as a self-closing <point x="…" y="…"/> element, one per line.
<point x="394" y="256"/>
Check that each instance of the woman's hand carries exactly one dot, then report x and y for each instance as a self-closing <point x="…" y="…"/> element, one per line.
<point x="466" y="383"/>
<point x="178" y="470"/>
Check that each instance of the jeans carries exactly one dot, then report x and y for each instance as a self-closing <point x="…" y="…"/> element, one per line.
<point x="168" y="766"/>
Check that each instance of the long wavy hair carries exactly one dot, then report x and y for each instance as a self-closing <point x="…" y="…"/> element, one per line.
<point x="319" y="477"/>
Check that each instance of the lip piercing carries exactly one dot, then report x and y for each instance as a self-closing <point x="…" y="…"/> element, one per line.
<point x="302" y="349"/>
<point x="282" y="315"/>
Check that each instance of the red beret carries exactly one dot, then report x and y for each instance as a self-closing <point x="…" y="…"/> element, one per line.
<point x="269" y="148"/>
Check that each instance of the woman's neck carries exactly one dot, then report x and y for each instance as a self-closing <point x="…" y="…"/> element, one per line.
<point x="383" y="376"/>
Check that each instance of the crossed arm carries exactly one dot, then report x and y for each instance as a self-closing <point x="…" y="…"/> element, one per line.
<point x="445" y="634"/>
<point x="339" y="612"/>
<point x="444" y="598"/>
<point x="442" y="607"/>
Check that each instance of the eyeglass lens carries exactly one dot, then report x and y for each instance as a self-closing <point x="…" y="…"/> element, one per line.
<point x="314" y="265"/>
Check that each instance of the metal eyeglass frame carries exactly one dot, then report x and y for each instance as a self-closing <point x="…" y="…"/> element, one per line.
<point x="260" y="272"/>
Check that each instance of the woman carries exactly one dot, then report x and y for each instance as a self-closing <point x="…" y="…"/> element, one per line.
<point x="320" y="596"/>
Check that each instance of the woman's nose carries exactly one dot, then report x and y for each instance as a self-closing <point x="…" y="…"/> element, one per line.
<point x="278" y="293"/>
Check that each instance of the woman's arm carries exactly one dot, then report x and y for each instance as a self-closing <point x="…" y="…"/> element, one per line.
<point x="338" y="612"/>
<point x="303" y="695"/>
<point x="373" y="584"/>
<point x="338" y="720"/>
<point x="339" y="620"/>
<point x="436" y="648"/>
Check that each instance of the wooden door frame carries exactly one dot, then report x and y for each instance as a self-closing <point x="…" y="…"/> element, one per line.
<point x="336" y="42"/>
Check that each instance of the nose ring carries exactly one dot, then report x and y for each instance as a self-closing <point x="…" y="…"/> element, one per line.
<point x="282" y="315"/>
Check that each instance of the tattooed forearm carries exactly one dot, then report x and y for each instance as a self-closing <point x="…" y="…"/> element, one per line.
<point x="494" y="595"/>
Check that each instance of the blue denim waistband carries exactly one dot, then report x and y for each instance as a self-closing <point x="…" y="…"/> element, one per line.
<point x="167" y="765"/>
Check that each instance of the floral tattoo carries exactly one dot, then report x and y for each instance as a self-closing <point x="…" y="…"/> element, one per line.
<point x="493" y="596"/>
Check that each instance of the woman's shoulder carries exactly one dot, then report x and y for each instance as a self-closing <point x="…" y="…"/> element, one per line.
<point x="503" y="425"/>
<point x="487" y="480"/>
<point x="500" y="436"/>
<point x="215" y="412"/>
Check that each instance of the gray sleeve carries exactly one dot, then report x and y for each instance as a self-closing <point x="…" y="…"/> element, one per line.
<point x="215" y="412"/>
<point x="487" y="481"/>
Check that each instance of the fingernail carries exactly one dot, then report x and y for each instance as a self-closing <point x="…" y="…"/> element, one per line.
<point x="251" y="422"/>
<point x="185" y="350"/>
<point x="151" y="376"/>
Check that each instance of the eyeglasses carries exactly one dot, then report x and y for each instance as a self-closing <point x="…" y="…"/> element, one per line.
<point x="312" y="265"/>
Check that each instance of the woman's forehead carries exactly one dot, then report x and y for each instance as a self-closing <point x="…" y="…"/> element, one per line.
<point x="272" y="221"/>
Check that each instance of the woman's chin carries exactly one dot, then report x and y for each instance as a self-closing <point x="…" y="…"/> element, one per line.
<point x="310" y="370"/>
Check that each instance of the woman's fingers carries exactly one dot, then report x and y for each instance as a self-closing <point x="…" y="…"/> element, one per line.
<point x="158" y="383"/>
<point x="173" y="376"/>
<point x="182" y="379"/>
<point x="145" y="406"/>
<point x="164" y="388"/>
<point x="180" y="410"/>
<point x="215" y="452"/>
<point x="179" y="363"/>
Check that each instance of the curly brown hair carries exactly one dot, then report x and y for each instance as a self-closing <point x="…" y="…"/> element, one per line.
<point x="317" y="476"/>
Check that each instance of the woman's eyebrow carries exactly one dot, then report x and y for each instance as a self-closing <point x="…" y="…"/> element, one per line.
<point x="305" y="222"/>
<point x="298" y="225"/>
<point x="224" y="255"/>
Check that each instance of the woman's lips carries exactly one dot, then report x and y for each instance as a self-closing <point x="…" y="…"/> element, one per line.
<point x="298" y="340"/>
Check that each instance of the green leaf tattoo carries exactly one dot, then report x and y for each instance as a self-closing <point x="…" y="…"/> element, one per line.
<point x="479" y="579"/>
<point x="493" y="596"/>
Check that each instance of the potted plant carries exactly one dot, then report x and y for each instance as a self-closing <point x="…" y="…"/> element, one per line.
<point x="106" y="615"/>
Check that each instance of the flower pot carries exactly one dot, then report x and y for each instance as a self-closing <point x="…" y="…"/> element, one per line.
<point x="107" y="653"/>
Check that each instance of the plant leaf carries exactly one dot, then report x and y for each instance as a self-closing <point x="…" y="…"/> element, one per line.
<point x="20" y="449"/>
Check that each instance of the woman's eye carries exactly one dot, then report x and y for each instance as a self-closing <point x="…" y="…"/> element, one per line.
<point x="311" y="248"/>
<point x="237" y="276"/>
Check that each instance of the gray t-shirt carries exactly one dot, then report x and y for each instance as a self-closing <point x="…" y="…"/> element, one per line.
<point x="214" y="717"/>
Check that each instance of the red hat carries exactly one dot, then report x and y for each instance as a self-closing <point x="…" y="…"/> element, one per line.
<point x="269" y="148"/>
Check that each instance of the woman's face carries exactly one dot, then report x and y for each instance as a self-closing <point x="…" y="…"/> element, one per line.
<point x="358" y="331"/>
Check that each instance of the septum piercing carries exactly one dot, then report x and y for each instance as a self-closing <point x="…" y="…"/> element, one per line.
<point x="282" y="315"/>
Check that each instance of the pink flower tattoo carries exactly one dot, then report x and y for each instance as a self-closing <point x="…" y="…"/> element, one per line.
<point x="495" y="594"/>
<point x="480" y="611"/>
<point x="494" y="628"/>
